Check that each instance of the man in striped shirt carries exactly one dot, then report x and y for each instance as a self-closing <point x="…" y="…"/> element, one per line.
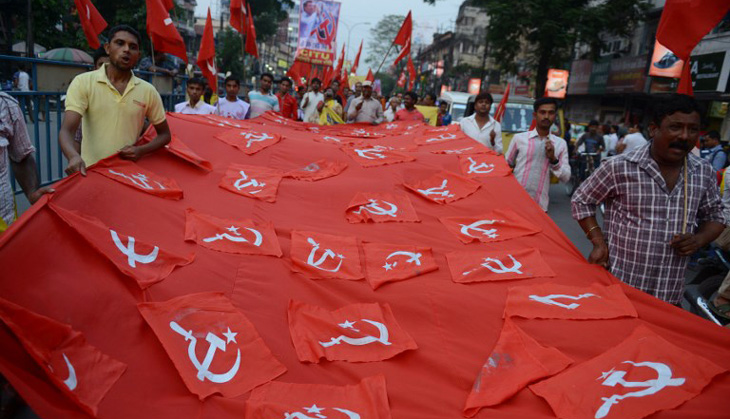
<point x="535" y="154"/>
<point x="263" y="100"/>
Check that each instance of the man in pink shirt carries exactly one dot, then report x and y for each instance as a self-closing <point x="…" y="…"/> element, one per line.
<point x="409" y="113"/>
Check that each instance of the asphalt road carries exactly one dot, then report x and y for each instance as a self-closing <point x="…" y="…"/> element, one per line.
<point x="559" y="212"/>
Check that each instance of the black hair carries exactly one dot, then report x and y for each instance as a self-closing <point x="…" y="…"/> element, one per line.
<point x="615" y="128"/>
<point x="286" y="79"/>
<point x="196" y="80"/>
<point x="411" y="95"/>
<point x="484" y="96"/>
<point x="713" y="134"/>
<point x="99" y="53"/>
<point x="315" y="80"/>
<point x="544" y="101"/>
<point x="269" y="75"/>
<point x="606" y="128"/>
<point x="232" y="78"/>
<point x="431" y="95"/>
<point x="125" y="28"/>
<point x="593" y="122"/>
<point x="667" y="105"/>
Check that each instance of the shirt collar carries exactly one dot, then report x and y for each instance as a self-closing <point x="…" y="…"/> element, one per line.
<point x="533" y="133"/>
<point x="101" y="77"/>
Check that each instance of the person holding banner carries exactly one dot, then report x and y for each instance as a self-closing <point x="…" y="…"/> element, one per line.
<point x="329" y="111"/>
<point x="409" y="112"/>
<point x="287" y="103"/>
<point x="365" y="108"/>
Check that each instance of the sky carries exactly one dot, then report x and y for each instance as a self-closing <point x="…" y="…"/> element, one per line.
<point x="427" y="19"/>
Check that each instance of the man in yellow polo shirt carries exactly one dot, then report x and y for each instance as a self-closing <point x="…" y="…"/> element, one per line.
<point x="112" y="105"/>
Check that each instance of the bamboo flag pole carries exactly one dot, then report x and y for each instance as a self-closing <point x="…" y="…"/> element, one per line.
<point x="384" y="58"/>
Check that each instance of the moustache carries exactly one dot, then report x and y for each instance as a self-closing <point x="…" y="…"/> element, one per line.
<point x="684" y="146"/>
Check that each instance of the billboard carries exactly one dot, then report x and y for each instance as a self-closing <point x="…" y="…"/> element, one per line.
<point x="318" y="20"/>
<point x="664" y="63"/>
<point x="557" y="83"/>
<point x="474" y="86"/>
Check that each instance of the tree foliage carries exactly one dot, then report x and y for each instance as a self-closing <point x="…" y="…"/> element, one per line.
<point x="381" y="38"/>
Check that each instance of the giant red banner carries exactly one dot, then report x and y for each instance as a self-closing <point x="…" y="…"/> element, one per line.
<point x="384" y="313"/>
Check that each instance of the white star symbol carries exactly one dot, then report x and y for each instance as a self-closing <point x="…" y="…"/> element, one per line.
<point x="341" y="256"/>
<point x="387" y="266"/>
<point x="346" y="325"/>
<point x="233" y="229"/>
<point x="605" y="374"/>
<point x="313" y="409"/>
<point x="230" y="336"/>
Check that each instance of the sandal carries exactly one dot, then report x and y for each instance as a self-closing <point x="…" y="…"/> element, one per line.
<point x="722" y="310"/>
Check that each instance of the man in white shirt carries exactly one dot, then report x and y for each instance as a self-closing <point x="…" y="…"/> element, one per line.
<point x="389" y="113"/>
<point x="195" y="106"/>
<point x="633" y="140"/>
<point x="231" y="106"/>
<point x="481" y="126"/>
<point x="21" y="79"/>
<point x="366" y="108"/>
<point x="312" y="99"/>
<point x="610" y="139"/>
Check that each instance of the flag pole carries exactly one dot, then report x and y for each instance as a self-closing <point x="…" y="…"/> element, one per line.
<point x="384" y="58"/>
<point x="243" y="53"/>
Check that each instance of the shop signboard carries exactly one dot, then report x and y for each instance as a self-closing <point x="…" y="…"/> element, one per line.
<point x="627" y="75"/>
<point x="710" y="71"/>
<point x="580" y="77"/>
<point x="599" y="76"/>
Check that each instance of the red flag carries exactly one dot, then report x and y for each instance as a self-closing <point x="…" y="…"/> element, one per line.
<point x="497" y="265"/>
<point x="367" y="399"/>
<point x="321" y="169"/>
<point x="251" y="47"/>
<point x="483" y="166"/>
<point x="145" y="263"/>
<point x="178" y="149"/>
<point x="168" y="4"/>
<point x="642" y="375"/>
<point x="370" y="76"/>
<point x="404" y="33"/>
<point x="441" y="138"/>
<point x="162" y="31"/>
<point x="91" y="22"/>
<point x="344" y="81"/>
<point x="495" y="226"/>
<point x="443" y="187"/>
<point x="327" y="76"/>
<point x="695" y="17"/>
<point x="238" y="18"/>
<point x="356" y="63"/>
<point x="248" y="140"/>
<point x="402" y="79"/>
<point x="380" y="207"/>
<point x="515" y="361"/>
<point x="368" y="156"/>
<point x="252" y="181"/>
<point x="80" y="371"/>
<point x="231" y="236"/>
<point x="411" y="73"/>
<point x="319" y="255"/>
<point x="131" y="174"/>
<point x="386" y="262"/>
<point x="502" y="107"/>
<point x="231" y="359"/>
<point x="555" y="301"/>
<point x="340" y="61"/>
<point x="470" y="150"/>
<point x="404" y="53"/>
<point x="685" y="81"/>
<point x="354" y="333"/>
<point x="206" y="55"/>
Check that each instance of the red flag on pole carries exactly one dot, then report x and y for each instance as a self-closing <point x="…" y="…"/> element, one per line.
<point x="695" y="17"/>
<point x="206" y="55"/>
<point x="411" y="71"/>
<point x="238" y="19"/>
<point x="168" y="4"/>
<point x="91" y="21"/>
<point x="402" y="79"/>
<point x="251" y="34"/>
<point x="404" y="34"/>
<point x="340" y="62"/>
<point x="357" y="59"/>
<point x="405" y="52"/>
<point x="162" y="31"/>
<point x="685" y="81"/>
<point x="370" y="75"/>
<point x="499" y="113"/>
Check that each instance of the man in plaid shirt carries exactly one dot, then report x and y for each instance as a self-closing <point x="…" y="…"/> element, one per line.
<point x="647" y="243"/>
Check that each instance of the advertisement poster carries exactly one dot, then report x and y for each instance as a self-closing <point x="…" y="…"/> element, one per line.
<point x="664" y="63"/>
<point x="474" y="86"/>
<point x="317" y="31"/>
<point x="557" y="83"/>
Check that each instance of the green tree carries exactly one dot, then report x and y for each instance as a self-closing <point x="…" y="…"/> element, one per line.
<point x="381" y="38"/>
<point x="552" y="28"/>
<point x="228" y="52"/>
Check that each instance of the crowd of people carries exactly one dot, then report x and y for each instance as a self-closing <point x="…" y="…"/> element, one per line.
<point x="659" y="196"/>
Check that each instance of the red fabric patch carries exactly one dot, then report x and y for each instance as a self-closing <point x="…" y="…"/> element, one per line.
<point x="371" y="156"/>
<point x="641" y="375"/>
<point x="380" y="208"/>
<point x="444" y="187"/>
<point x="223" y="121"/>
<point x="248" y="140"/>
<point x="555" y="301"/>
<point x="386" y="262"/>
<point x="214" y="347"/>
<point x="497" y="265"/>
<point x="462" y="148"/>
<point x="321" y="169"/>
<point x="515" y="361"/>
<point x="436" y="138"/>
<point x="484" y="165"/>
<point x="252" y="181"/>
<point x="495" y="226"/>
<point x="354" y="333"/>
<point x="80" y="371"/>
<point x="181" y="150"/>
<point x="367" y="399"/>
<point x="145" y="263"/>
<point x="231" y="236"/>
<point x="319" y="255"/>
<point x="130" y="174"/>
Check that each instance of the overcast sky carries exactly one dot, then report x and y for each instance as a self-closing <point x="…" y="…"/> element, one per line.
<point x="427" y="19"/>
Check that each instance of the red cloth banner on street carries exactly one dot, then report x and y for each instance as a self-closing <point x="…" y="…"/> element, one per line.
<point x="130" y="174"/>
<point x="252" y="181"/>
<point x="80" y="371"/>
<point x="92" y="22"/>
<point x="556" y="301"/>
<point x="321" y="169"/>
<point x="483" y="166"/>
<point x="436" y="138"/>
<point x="162" y="31"/>
<point x="387" y="262"/>
<point x="443" y="187"/>
<point x="231" y="236"/>
<point x="354" y="333"/>
<point x="497" y="225"/>
<point x="372" y="156"/>
<point x="179" y="149"/>
<point x="145" y="263"/>
<point x="206" y="55"/>
<point x="367" y="399"/>
<point x="319" y="255"/>
<point x="497" y="265"/>
<point x="642" y="375"/>
<point x="461" y="148"/>
<point x="515" y="361"/>
<point x="380" y="207"/>
<point x="235" y="360"/>
<point x="249" y="141"/>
